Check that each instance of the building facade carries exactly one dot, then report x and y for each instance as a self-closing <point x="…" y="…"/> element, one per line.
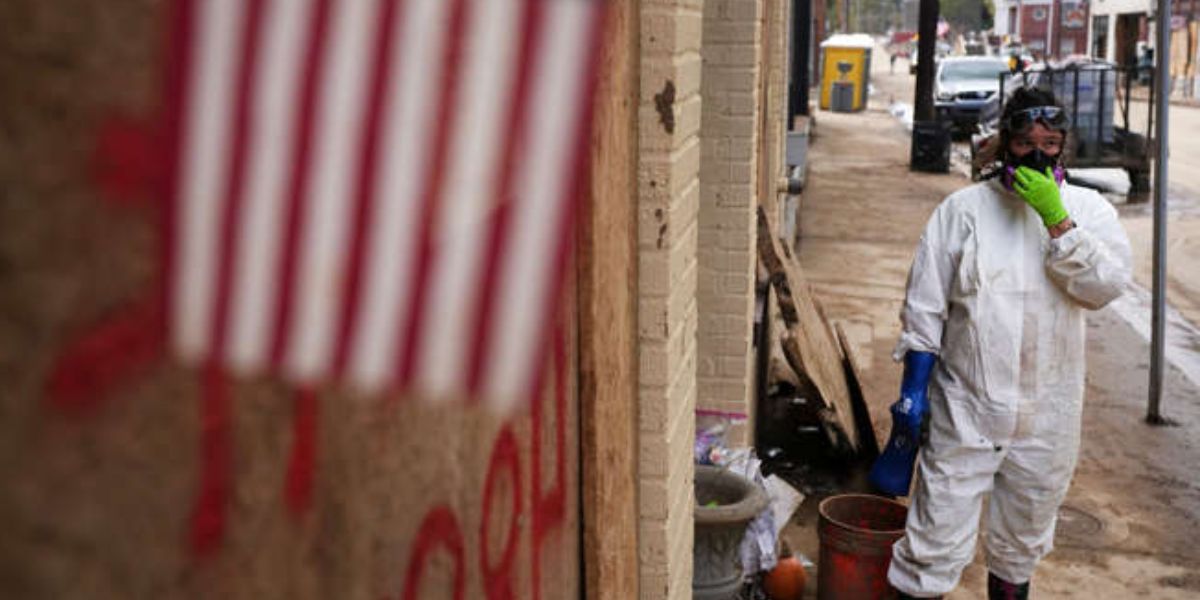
<point x="1118" y="29"/>
<point x="1047" y="28"/>
<point x="1123" y="31"/>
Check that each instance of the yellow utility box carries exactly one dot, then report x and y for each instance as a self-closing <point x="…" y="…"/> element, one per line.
<point x="845" y="68"/>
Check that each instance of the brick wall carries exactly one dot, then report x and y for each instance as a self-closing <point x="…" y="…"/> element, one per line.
<point x="1038" y="17"/>
<point x="1035" y="20"/>
<point x="669" y="196"/>
<point x="729" y="181"/>
<point x="779" y="16"/>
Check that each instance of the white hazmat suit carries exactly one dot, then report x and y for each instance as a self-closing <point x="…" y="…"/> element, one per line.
<point x="1003" y="306"/>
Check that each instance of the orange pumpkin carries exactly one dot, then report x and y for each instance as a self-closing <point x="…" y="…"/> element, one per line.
<point x="786" y="581"/>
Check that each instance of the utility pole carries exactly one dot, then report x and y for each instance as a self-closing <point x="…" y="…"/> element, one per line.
<point x="1158" y="314"/>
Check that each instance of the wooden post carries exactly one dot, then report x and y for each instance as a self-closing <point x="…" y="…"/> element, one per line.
<point x="607" y="280"/>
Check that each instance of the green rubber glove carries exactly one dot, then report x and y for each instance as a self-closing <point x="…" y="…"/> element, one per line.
<point x="1041" y="192"/>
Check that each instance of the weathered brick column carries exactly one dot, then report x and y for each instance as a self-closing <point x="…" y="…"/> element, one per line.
<point x="669" y="191"/>
<point x="731" y="134"/>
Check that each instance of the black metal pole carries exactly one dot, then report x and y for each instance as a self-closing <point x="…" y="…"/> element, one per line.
<point x="1100" y="115"/>
<point x="801" y="44"/>
<point x="1161" y="80"/>
<point x="1153" y="103"/>
<point x="1125" y="107"/>
<point x="930" y="149"/>
<point x="926" y="44"/>
<point x="1075" y="102"/>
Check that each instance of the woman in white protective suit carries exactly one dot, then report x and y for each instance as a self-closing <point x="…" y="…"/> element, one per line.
<point x="997" y="296"/>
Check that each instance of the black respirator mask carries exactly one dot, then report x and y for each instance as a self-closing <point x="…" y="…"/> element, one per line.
<point x="1036" y="160"/>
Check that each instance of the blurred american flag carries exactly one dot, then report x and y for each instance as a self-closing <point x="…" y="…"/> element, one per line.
<point x="379" y="192"/>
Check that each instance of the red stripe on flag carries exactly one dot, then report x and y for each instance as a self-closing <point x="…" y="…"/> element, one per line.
<point x="576" y="187"/>
<point x="177" y="81"/>
<point x="573" y="189"/>
<point x="365" y="187"/>
<point x="234" y="198"/>
<point x="208" y="525"/>
<point x="446" y="103"/>
<point x="496" y="244"/>
<point x="314" y="62"/>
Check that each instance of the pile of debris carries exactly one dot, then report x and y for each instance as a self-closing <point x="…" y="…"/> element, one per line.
<point x="811" y="402"/>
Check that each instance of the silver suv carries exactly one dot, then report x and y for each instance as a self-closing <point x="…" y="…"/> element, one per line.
<point x="963" y="86"/>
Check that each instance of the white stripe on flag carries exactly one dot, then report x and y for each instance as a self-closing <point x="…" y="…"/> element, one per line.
<point x="469" y="195"/>
<point x="270" y="142"/>
<point x="206" y="132"/>
<point x="403" y="157"/>
<point x="336" y="185"/>
<point x="526" y="271"/>
<point x="323" y="242"/>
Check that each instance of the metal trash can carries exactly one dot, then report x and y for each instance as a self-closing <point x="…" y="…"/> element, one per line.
<point x="931" y="146"/>
<point x="843" y="97"/>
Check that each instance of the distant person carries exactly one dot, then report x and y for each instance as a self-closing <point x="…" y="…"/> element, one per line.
<point x="1015" y="64"/>
<point x="892" y="64"/>
<point x="993" y="343"/>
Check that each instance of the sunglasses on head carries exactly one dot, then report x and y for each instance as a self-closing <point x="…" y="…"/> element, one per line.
<point x="1052" y="116"/>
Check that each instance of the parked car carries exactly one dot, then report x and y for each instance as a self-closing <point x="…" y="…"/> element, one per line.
<point x="963" y="86"/>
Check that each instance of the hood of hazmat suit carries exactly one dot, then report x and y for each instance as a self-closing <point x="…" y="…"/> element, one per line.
<point x="1003" y="306"/>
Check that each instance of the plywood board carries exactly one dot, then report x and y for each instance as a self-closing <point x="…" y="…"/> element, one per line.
<point x="815" y="346"/>
<point x="607" y="323"/>
<point x="410" y="498"/>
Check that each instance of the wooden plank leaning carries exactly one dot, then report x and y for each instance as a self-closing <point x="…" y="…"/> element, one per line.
<point x="809" y="344"/>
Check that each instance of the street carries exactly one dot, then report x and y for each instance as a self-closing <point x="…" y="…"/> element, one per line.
<point x="1184" y="140"/>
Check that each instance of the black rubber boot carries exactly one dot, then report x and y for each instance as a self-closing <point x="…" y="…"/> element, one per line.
<point x="999" y="589"/>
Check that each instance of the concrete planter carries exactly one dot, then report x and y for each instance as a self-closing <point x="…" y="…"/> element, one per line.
<point x="719" y="528"/>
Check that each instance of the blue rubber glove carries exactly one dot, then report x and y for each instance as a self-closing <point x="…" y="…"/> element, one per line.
<point x="892" y="471"/>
